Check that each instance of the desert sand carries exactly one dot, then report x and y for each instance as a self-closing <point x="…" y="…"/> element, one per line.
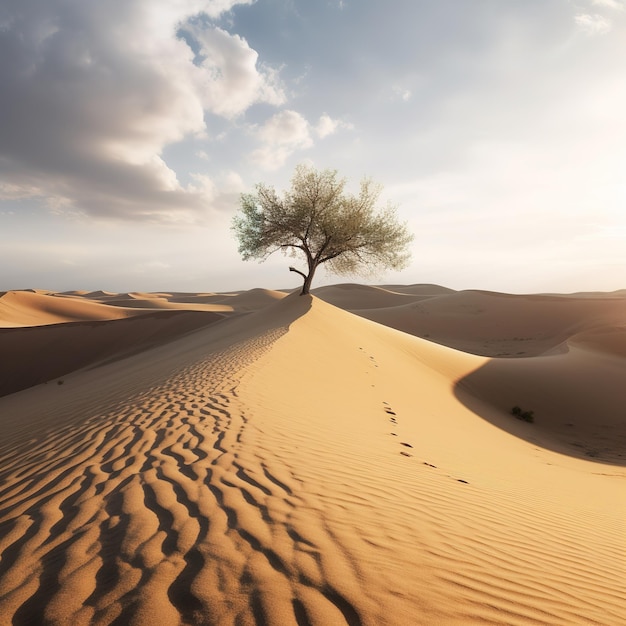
<point x="348" y="457"/>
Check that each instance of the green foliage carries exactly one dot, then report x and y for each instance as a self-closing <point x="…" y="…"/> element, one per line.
<point x="318" y="220"/>
<point x="526" y="416"/>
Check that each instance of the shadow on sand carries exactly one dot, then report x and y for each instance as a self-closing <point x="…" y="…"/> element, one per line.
<point x="574" y="398"/>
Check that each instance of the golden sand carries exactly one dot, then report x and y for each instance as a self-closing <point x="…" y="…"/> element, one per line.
<point x="280" y="460"/>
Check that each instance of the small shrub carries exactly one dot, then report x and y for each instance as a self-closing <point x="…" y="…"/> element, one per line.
<point x="526" y="416"/>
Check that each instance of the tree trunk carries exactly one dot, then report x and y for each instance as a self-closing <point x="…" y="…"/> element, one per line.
<point x="308" y="278"/>
<point x="306" y="287"/>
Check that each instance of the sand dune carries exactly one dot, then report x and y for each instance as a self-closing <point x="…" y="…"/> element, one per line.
<point x="610" y="339"/>
<point x="503" y="325"/>
<point x="164" y="303"/>
<point x="251" y="300"/>
<point x="24" y="308"/>
<point x="576" y="398"/>
<point x="303" y="465"/>
<point x="419" y="290"/>
<point x="355" y="297"/>
<point x="99" y="295"/>
<point x="31" y="307"/>
<point x="42" y="353"/>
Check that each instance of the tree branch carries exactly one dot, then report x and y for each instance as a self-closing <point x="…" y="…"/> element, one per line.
<point x="293" y="269"/>
<point x="330" y="257"/>
<point x="320" y="252"/>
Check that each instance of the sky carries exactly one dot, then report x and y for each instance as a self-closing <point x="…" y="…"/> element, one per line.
<point x="130" y="128"/>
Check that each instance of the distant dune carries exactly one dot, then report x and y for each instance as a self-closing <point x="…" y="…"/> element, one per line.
<point x="495" y="324"/>
<point x="355" y="297"/>
<point x="25" y="308"/>
<point x="343" y="458"/>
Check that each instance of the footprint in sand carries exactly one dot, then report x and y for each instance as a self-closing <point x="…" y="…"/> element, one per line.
<point x="390" y="412"/>
<point x="393" y="420"/>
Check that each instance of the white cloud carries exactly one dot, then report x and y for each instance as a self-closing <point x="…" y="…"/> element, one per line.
<point x="592" y="24"/>
<point x="326" y="126"/>
<point x="289" y="131"/>
<point x="221" y="193"/>
<point x="229" y="78"/>
<point x="286" y="128"/>
<point x="283" y="134"/>
<point x="402" y="93"/>
<point x="609" y="4"/>
<point x="92" y="96"/>
<point x="12" y="191"/>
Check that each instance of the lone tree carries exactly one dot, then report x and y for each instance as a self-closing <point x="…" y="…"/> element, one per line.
<point x="317" y="219"/>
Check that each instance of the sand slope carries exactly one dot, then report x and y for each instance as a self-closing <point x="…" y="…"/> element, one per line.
<point x="504" y="325"/>
<point x="42" y="353"/>
<point x="45" y="335"/>
<point x="301" y="465"/>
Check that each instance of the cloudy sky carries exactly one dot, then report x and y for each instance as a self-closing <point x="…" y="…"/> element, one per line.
<point x="129" y="128"/>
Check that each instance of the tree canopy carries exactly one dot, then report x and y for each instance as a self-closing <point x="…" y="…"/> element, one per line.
<point x="318" y="220"/>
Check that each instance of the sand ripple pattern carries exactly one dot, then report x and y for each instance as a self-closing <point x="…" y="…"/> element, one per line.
<point x="156" y="510"/>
